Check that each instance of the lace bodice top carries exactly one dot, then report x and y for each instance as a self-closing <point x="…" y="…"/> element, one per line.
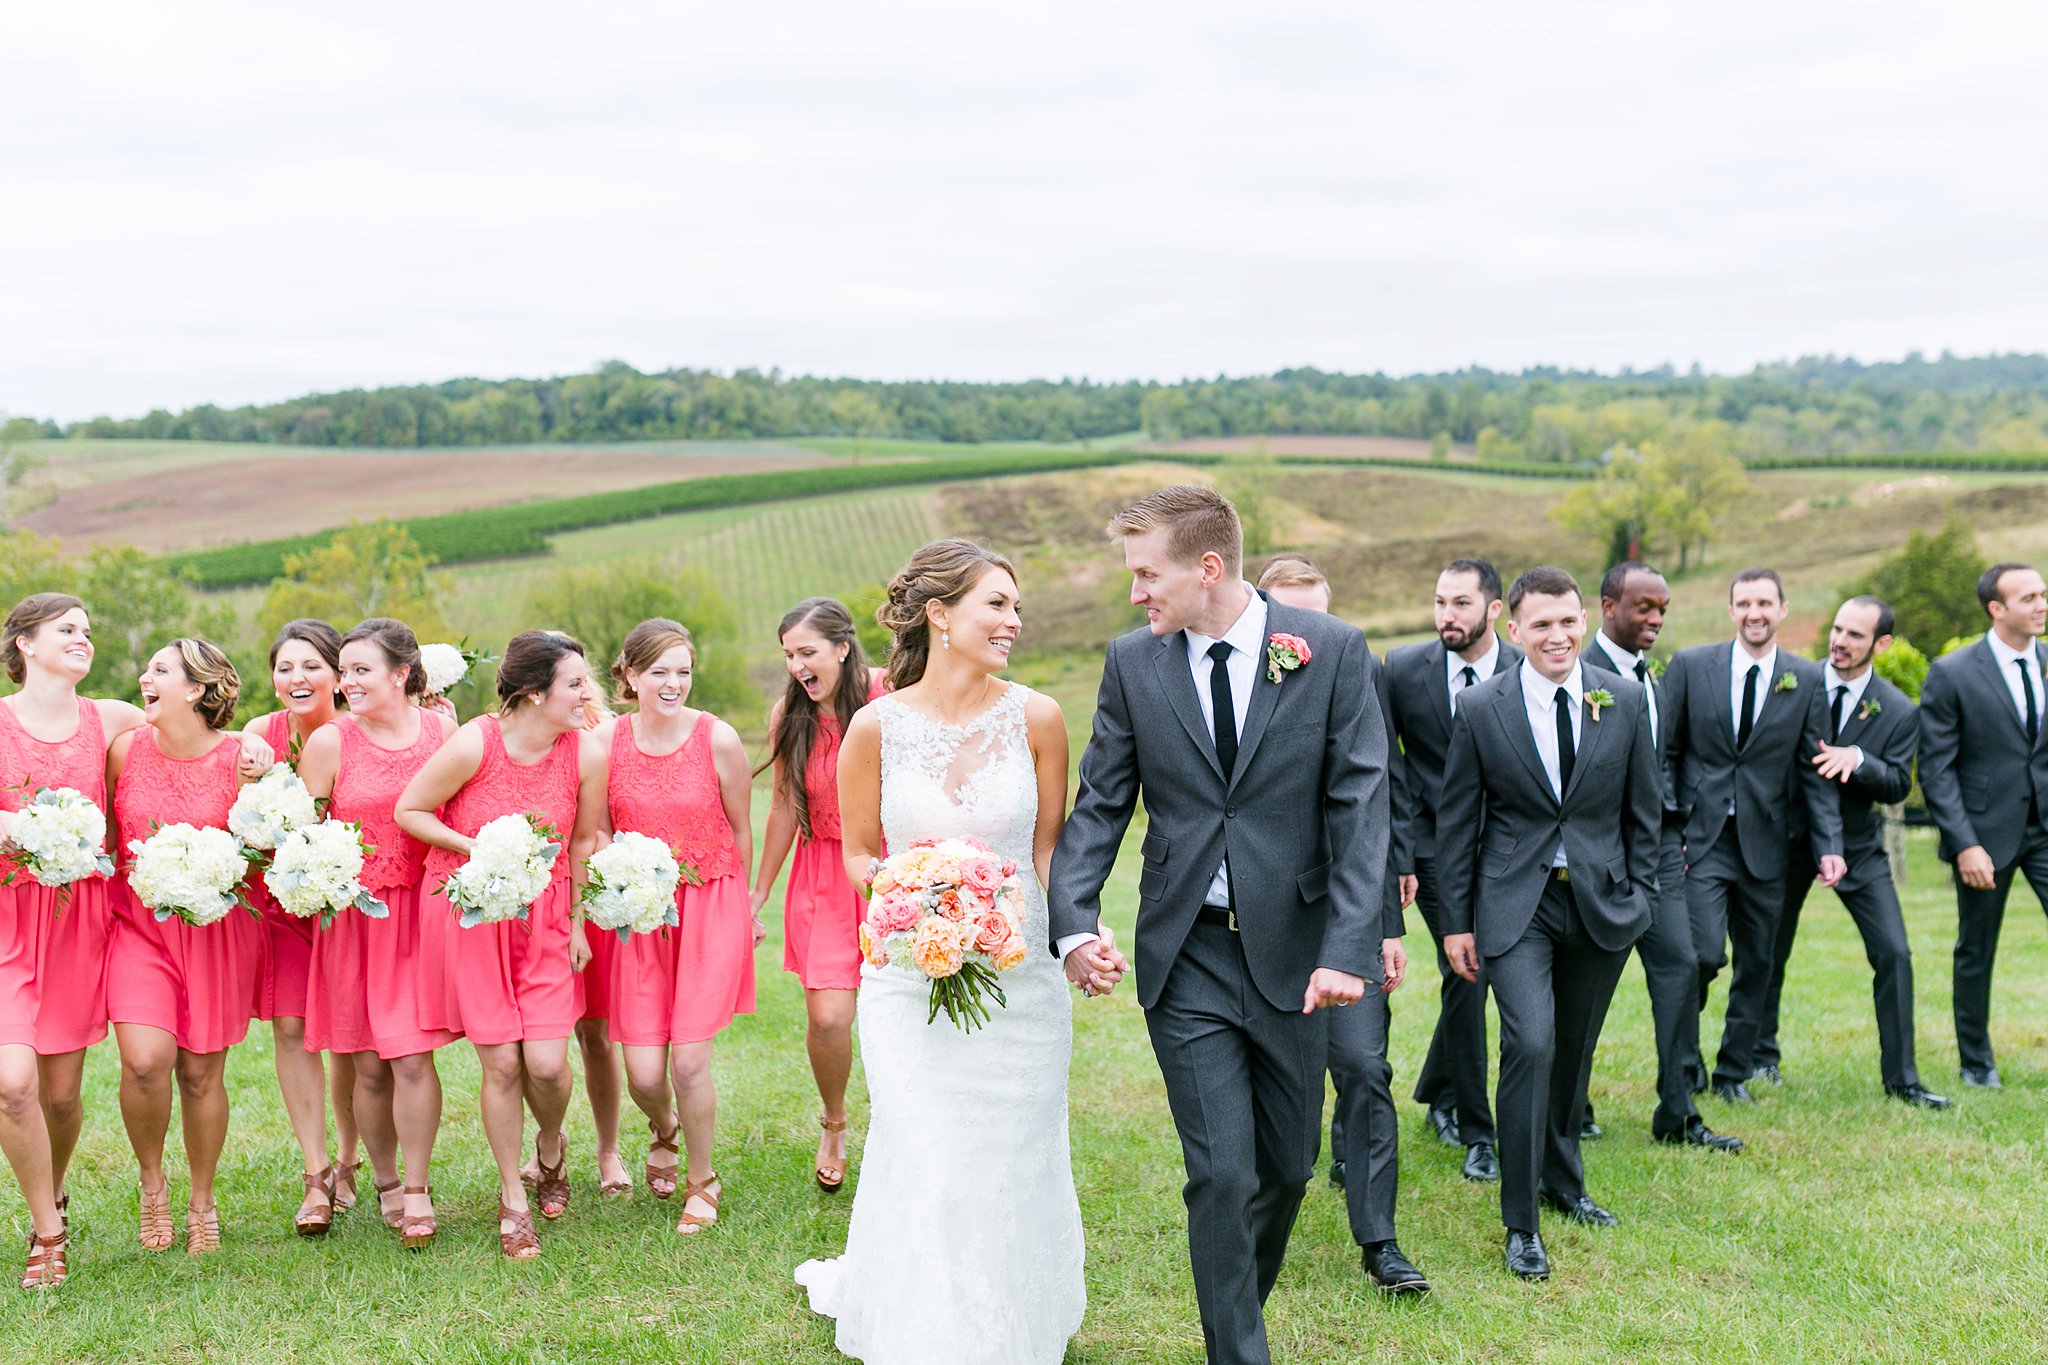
<point x="28" y="764"/>
<point x="158" y="789"/>
<point x="366" y="790"/>
<point x="821" y="779"/>
<point x="674" y="798"/>
<point x="502" y="787"/>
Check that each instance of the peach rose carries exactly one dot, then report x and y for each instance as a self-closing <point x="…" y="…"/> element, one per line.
<point x="1010" y="954"/>
<point x="980" y="874"/>
<point x="871" y="948"/>
<point x="992" y="931"/>
<point x="950" y="906"/>
<point x="937" y="949"/>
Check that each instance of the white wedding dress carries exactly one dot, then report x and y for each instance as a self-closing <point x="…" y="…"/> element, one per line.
<point x="965" y="1242"/>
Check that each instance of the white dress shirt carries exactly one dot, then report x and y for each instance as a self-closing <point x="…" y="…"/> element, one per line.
<point x="1247" y="640"/>
<point x="1625" y="660"/>
<point x="1739" y="664"/>
<point x="2007" y="657"/>
<point x="1857" y="686"/>
<point x="1455" y="666"/>
<point x="1539" y="699"/>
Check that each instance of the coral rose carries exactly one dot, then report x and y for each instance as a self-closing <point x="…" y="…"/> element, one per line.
<point x="871" y="948"/>
<point x="992" y="931"/>
<point x="937" y="950"/>
<point x="980" y="874"/>
<point x="894" y="912"/>
<point x="950" y="906"/>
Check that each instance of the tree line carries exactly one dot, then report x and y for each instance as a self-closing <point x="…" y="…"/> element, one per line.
<point x="1818" y="406"/>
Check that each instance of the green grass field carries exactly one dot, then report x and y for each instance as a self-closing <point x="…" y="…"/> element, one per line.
<point x="1852" y="1229"/>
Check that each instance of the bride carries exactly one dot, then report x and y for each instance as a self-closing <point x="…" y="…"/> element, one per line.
<point x="965" y="1241"/>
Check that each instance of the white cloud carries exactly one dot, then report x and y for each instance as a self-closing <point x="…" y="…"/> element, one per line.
<point x="241" y="202"/>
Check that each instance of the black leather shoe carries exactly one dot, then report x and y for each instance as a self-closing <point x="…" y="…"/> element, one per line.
<point x="1697" y="1134"/>
<point x="1917" y="1094"/>
<point x="1481" y="1164"/>
<point x="1581" y="1209"/>
<point x="1389" y="1270"/>
<point x="1524" y="1256"/>
<point x="1769" y="1072"/>
<point x="1982" y="1078"/>
<point x="1733" y="1092"/>
<point x="1336" y="1175"/>
<point x="1590" y="1130"/>
<point x="1445" y="1125"/>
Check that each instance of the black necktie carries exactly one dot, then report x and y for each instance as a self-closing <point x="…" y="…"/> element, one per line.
<point x="1643" y="672"/>
<point x="1564" y="743"/>
<point x="1468" y="678"/>
<point x="1219" y="702"/>
<point x="2033" y="714"/>
<point x="1835" y="714"/>
<point x="1748" y="720"/>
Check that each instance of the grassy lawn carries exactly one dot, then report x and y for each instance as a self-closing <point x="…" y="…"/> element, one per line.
<point x="1853" y="1228"/>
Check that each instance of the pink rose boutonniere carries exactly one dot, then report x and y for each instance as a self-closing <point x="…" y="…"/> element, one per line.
<point x="1285" y="653"/>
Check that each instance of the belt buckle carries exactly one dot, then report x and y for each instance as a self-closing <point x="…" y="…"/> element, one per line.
<point x="1562" y="875"/>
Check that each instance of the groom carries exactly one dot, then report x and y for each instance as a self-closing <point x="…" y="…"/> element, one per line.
<point x="1252" y="732"/>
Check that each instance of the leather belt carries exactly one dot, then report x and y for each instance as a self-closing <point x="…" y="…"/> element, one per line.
<point x="1216" y="915"/>
<point x="1673" y="818"/>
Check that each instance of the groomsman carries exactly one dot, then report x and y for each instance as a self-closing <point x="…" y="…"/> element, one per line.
<point x="1547" y="839"/>
<point x="1426" y="683"/>
<point x="1984" y="771"/>
<point x="1743" y="721"/>
<point x="1873" y="728"/>
<point x="1633" y="600"/>
<point x="1364" y="1123"/>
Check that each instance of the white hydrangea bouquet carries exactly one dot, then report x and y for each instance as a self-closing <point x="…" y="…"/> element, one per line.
<point x="508" y="869"/>
<point x="60" y="837"/>
<point x="271" y="807"/>
<point x="318" y="870"/>
<point x="447" y="665"/>
<point x="630" y="885"/>
<point x="194" y="873"/>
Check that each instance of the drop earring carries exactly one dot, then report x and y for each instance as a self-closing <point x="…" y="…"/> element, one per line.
<point x="945" y="639"/>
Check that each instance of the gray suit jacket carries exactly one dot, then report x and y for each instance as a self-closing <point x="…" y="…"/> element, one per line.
<point x="1887" y="739"/>
<point x="1420" y="705"/>
<point x="1500" y="823"/>
<point x="1594" y="657"/>
<point x="1708" y="772"/>
<point x="1303" y="818"/>
<point x="1976" y="768"/>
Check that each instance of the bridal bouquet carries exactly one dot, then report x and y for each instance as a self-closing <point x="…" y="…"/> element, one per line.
<point x="271" y="807"/>
<point x="60" y="837"/>
<point x="951" y="911"/>
<point x="508" y="869"/>
<point x="318" y="870"/>
<point x="631" y="884"/>
<point x="189" y="871"/>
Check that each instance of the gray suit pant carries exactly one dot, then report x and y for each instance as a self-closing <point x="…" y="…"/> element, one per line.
<point x="1979" y="917"/>
<point x="1365" y="1119"/>
<point x="1453" y="1074"/>
<point x="1552" y="989"/>
<point x="1671" y="972"/>
<point x="1731" y="910"/>
<point x="1245" y="1083"/>
<point x="1874" y="905"/>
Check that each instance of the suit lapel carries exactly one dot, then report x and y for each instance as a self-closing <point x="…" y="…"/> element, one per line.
<point x="1177" y="680"/>
<point x="1766" y="713"/>
<point x="1440" y="689"/>
<point x="1265" y="696"/>
<point x="1722" y="702"/>
<point x="1987" y="663"/>
<point x="1590" y="740"/>
<point x="1514" y="723"/>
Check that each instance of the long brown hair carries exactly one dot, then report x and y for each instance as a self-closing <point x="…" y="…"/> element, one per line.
<point x="944" y="572"/>
<point x="796" y="727"/>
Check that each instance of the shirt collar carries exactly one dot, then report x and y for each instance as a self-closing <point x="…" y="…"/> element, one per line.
<point x="1739" y="662"/>
<point x="1454" y="665"/>
<point x="1857" y="686"/>
<point x="1246" y="634"/>
<point x="2005" y="653"/>
<point x="1542" y="692"/>
<point x="1627" y="658"/>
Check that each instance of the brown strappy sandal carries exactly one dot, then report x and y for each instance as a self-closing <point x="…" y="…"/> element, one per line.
<point x="417" y="1231"/>
<point x="202" y="1230"/>
<point x="551" y="1183"/>
<point x="662" y="1184"/>
<point x="46" y="1268"/>
<point x="709" y="1190"/>
<point x="830" y="1178"/>
<point x="320" y="1221"/>
<point x="397" y="1187"/>
<point x="522" y="1243"/>
<point x="153" y="1224"/>
<point x="345" y="1184"/>
<point x="64" y="1211"/>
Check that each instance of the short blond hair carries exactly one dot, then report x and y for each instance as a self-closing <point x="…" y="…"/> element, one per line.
<point x="1293" y="571"/>
<point x="1195" y="519"/>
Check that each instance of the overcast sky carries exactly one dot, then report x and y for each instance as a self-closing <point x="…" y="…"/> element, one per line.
<point x="234" y="203"/>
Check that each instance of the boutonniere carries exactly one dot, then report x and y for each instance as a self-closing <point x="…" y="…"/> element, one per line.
<point x="1868" y="709"/>
<point x="1599" y="699"/>
<point x="1788" y="681"/>
<point x="1284" y="654"/>
<point x="1657" y="666"/>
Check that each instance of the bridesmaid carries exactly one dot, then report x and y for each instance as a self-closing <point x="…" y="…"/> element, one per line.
<point x="368" y="977"/>
<point x="53" y="949"/>
<point x="829" y="680"/>
<point x="680" y="775"/>
<point x="179" y="996"/>
<point x="603" y="1080"/>
<point x="512" y="986"/>
<point x="305" y="662"/>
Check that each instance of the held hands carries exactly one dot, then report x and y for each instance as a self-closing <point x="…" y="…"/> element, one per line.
<point x="1393" y="965"/>
<point x="1096" y="967"/>
<point x="760" y="931"/>
<point x="1833" y="867"/>
<point x="1976" y="869"/>
<point x="579" y="947"/>
<point x="1837" y="761"/>
<point x="1463" y="952"/>
<point x="258" y="757"/>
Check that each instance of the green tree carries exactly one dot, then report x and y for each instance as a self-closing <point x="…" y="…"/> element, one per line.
<point x="856" y="413"/>
<point x="1249" y="481"/>
<point x="1160" y="413"/>
<point x="1931" y="584"/>
<point x="600" y="603"/>
<point x="1903" y="666"/>
<point x="16" y="460"/>
<point x="1440" y="447"/>
<point x="368" y="569"/>
<point x="1617" y="509"/>
<point x="1696" y="480"/>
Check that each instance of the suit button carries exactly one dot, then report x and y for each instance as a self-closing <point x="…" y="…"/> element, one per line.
<point x="1230" y="812"/>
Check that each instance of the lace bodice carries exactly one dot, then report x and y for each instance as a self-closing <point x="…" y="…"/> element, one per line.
<point x="976" y="780"/>
<point x="674" y="798"/>
<point x="28" y="764"/>
<point x="157" y="788"/>
<point x="821" y="779"/>
<point x="502" y="787"/>
<point x="366" y="791"/>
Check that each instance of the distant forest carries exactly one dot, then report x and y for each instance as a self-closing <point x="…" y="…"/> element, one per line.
<point x="1815" y="406"/>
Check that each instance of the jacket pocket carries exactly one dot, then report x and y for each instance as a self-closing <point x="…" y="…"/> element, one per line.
<point x="1314" y="884"/>
<point x="1617" y="874"/>
<point x="1151" y="883"/>
<point x="1153" y="850"/>
<point x="1497" y="852"/>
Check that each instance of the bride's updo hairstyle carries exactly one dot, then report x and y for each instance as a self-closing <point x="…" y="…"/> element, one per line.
<point x="944" y="572"/>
